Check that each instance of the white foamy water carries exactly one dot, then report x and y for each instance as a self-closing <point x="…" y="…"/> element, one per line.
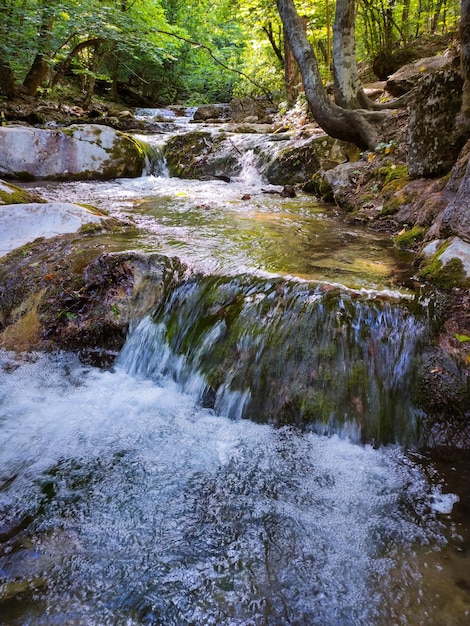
<point x="128" y="504"/>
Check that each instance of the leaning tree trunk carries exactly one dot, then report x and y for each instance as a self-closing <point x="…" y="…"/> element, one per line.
<point x="36" y="74"/>
<point x="39" y="69"/>
<point x="292" y="77"/>
<point x="345" y="124"/>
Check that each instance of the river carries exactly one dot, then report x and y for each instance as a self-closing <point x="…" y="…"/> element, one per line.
<point x="133" y="496"/>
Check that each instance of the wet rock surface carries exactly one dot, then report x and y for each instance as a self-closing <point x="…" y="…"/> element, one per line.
<point x="73" y="292"/>
<point x="23" y="223"/>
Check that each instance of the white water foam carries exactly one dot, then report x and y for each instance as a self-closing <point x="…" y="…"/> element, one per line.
<point x="146" y="509"/>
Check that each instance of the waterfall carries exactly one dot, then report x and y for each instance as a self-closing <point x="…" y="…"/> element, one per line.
<point x="286" y="353"/>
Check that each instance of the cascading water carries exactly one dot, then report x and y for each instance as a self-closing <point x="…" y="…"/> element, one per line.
<point x="122" y="502"/>
<point x="283" y="352"/>
<point x="141" y="495"/>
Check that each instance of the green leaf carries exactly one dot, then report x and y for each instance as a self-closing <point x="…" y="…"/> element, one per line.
<point x="462" y="338"/>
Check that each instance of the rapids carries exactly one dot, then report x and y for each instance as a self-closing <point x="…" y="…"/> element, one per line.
<point x="142" y="495"/>
<point x="125" y="503"/>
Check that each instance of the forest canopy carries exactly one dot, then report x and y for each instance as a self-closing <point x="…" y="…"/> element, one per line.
<point x="170" y="51"/>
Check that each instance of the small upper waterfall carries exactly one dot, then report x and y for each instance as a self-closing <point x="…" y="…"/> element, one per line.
<point x="331" y="360"/>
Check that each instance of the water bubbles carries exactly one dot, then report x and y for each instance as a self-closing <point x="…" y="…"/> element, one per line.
<point x="141" y="507"/>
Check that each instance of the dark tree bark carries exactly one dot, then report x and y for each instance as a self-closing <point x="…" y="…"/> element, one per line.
<point x="36" y="75"/>
<point x="346" y="124"/>
<point x="40" y="66"/>
<point x="465" y="55"/>
<point x="7" y="81"/>
<point x="268" y="30"/>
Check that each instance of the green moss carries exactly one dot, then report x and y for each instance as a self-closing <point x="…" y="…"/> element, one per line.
<point x="26" y="177"/>
<point x="184" y="153"/>
<point x="320" y="187"/>
<point x="92" y="209"/>
<point x="18" y="196"/>
<point x="394" y="185"/>
<point x="406" y="239"/>
<point x="393" y="205"/>
<point x="447" y="276"/>
<point x="387" y="173"/>
<point x="92" y="227"/>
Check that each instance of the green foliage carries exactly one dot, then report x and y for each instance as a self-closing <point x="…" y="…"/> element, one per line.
<point x="169" y="51"/>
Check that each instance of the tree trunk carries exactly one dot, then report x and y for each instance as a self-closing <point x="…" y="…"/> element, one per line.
<point x="347" y="85"/>
<point x="64" y="66"/>
<point x="7" y="81"/>
<point x="36" y="74"/>
<point x="465" y="55"/>
<point x="292" y="75"/>
<point x="340" y="123"/>
<point x="40" y="67"/>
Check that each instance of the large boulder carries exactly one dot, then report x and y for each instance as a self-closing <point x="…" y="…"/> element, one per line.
<point x="23" y="223"/>
<point x="454" y="220"/>
<point x="404" y="79"/>
<point x="82" y="152"/>
<point x="250" y="110"/>
<point x="66" y="293"/>
<point x="298" y="163"/>
<point x="199" y="155"/>
<point x="434" y="138"/>
<point x="208" y="112"/>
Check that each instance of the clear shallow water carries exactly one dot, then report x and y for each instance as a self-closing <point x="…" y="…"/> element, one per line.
<point x="122" y="502"/>
<point x="237" y="226"/>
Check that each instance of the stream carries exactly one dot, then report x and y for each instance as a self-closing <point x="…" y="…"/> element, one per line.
<point x="254" y="456"/>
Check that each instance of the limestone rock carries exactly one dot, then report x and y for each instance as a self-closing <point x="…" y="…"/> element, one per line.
<point x="434" y="139"/>
<point x="298" y="163"/>
<point x="457" y="249"/>
<point x="455" y="218"/>
<point x="242" y="109"/>
<point x="407" y="76"/>
<point x="23" y="223"/>
<point x="82" y="152"/>
<point x="207" y="112"/>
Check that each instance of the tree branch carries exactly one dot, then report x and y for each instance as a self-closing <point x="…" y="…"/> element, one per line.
<point x="198" y="44"/>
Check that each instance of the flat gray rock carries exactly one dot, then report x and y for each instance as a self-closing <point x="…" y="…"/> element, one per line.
<point x="23" y="223"/>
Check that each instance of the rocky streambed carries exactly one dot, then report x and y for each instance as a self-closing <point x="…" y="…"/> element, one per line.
<point x="193" y="303"/>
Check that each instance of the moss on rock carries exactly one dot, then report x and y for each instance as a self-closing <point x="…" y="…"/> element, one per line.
<point x="184" y="153"/>
<point x="407" y="238"/>
<point x="319" y="186"/>
<point x="445" y="276"/>
<point x="12" y="194"/>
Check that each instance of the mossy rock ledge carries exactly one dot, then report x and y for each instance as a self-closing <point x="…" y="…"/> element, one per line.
<point x="66" y="293"/>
